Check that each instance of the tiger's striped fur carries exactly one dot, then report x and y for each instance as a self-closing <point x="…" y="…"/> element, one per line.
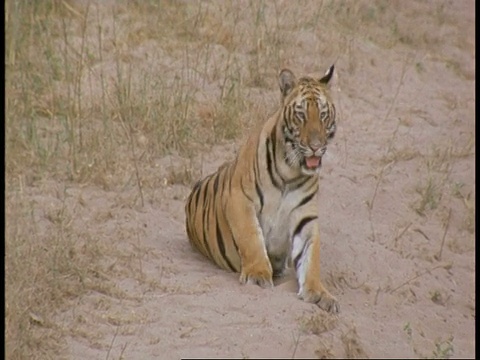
<point x="259" y="213"/>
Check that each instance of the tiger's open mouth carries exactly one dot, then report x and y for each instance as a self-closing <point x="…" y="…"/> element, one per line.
<point x="313" y="162"/>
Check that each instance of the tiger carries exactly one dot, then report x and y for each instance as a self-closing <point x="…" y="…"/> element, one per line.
<point x="258" y="214"/>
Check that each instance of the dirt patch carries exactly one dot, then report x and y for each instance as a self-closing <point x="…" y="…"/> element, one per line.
<point x="100" y="161"/>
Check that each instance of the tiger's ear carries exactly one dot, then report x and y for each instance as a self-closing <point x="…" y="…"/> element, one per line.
<point x="287" y="81"/>
<point x="328" y="75"/>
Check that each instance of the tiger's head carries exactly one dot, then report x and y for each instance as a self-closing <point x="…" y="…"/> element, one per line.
<point x="308" y="119"/>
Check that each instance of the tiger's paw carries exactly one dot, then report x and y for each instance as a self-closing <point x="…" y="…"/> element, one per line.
<point x="322" y="298"/>
<point x="263" y="278"/>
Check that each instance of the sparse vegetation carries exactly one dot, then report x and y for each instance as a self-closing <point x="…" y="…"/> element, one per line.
<point x="408" y="330"/>
<point x="324" y="352"/>
<point x="438" y="297"/>
<point x="352" y="345"/>
<point x="317" y="323"/>
<point x="78" y="111"/>
<point x="98" y="94"/>
<point x="44" y="269"/>
<point x="430" y="196"/>
<point x="443" y="349"/>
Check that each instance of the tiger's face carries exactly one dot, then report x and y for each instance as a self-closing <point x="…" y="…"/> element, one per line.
<point x="309" y="120"/>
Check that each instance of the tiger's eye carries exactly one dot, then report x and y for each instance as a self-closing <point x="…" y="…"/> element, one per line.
<point x="323" y="115"/>
<point x="300" y="115"/>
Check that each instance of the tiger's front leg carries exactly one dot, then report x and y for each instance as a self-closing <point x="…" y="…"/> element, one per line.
<point x="306" y="260"/>
<point x="248" y="236"/>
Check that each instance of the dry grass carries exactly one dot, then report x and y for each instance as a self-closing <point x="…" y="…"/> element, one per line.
<point x="353" y="346"/>
<point x="78" y="111"/>
<point x="90" y="102"/>
<point x="317" y="323"/>
<point x="438" y="164"/>
<point x="47" y="264"/>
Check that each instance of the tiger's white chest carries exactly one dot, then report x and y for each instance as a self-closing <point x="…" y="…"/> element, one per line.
<point x="275" y="221"/>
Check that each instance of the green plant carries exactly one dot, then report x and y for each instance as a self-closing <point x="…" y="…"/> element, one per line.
<point x="443" y="349"/>
<point x="430" y="196"/>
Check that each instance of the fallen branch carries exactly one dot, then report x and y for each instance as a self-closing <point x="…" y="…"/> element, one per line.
<point x="419" y="275"/>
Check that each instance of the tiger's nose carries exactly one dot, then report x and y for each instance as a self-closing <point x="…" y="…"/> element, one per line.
<point x="317" y="148"/>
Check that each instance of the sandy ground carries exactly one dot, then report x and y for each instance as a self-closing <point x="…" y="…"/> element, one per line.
<point x="396" y="217"/>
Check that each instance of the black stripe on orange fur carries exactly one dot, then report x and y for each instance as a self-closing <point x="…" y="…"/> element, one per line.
<point x="302" y="223"/>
